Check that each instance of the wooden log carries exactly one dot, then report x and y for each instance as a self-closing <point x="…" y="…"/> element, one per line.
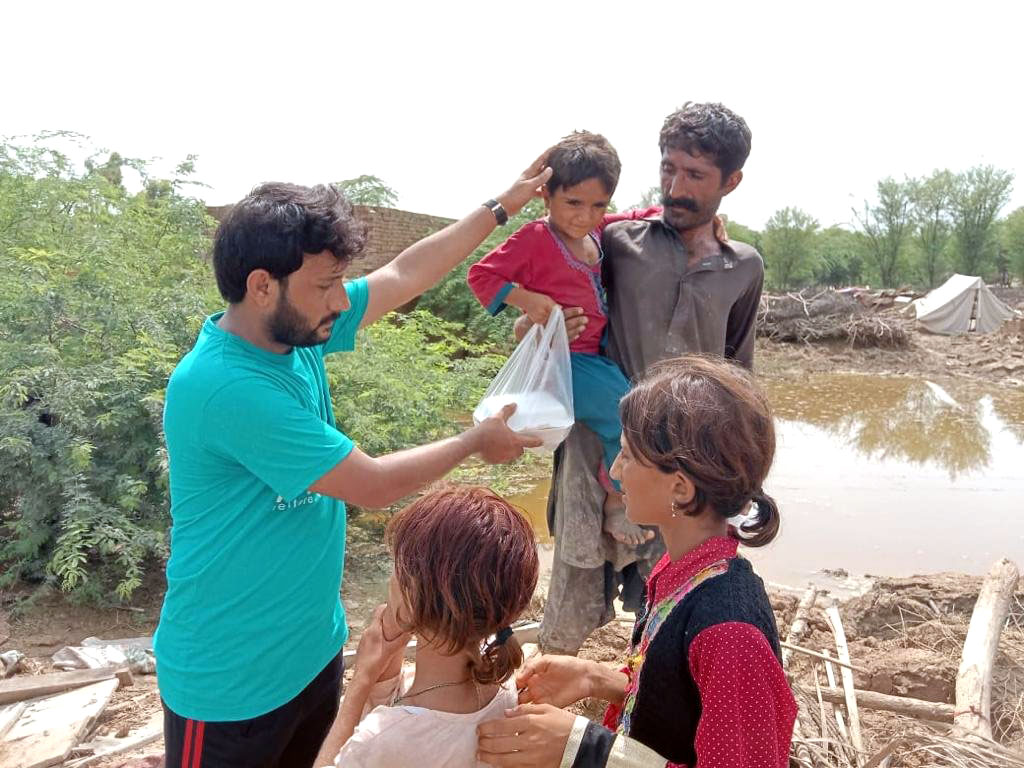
<point x="33" y="686"/>
<point x="823" y="657"/>
<point x="932" y="711"/>
<point x="974" y="679"/>
<point x="799" y="626"/>
<point x="847" y="675"/>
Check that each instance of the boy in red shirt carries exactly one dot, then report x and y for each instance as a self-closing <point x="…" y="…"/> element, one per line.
<point x="556" y="261"/>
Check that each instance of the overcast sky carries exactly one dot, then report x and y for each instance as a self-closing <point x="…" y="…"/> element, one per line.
<point x="447" y="102"/>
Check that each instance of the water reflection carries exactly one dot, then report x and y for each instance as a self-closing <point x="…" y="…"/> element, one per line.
<point x="894" y="476"/>
<point x="900" y="418"/>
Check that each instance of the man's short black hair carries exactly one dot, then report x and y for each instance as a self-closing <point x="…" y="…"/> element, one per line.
<point x="708" y="129"/>
<point x="274" y="225"/>
<point x="580" y="156"/>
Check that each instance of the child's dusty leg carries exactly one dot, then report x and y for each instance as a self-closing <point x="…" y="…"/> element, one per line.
<point x="615" y="522"/>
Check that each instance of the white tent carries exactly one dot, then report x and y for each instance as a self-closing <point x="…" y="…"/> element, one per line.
<point x="960" y="305"/>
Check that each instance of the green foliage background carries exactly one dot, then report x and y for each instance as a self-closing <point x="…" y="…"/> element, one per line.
<point x="104" y="291"/>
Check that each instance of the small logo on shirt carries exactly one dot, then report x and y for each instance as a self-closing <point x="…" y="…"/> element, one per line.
<point x="302" y="501"/>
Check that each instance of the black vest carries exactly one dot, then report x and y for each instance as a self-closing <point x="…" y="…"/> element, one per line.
<point x="668" y="706"/>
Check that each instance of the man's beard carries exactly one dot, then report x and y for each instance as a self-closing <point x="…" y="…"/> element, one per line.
<point x="288" y="327"/>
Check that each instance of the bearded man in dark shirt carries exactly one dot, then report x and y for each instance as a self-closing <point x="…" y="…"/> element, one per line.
<point x="674" y="288"/>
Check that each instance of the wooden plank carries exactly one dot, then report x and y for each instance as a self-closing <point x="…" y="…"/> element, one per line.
<point x="9" y="715"/>
<point x="50" y="727"/>
<point x="846" y="674"/>
<point x="33" y="686"/>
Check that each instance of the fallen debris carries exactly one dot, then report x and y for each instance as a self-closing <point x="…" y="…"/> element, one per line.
<point x="830" y="316"/>
<point x="10" y="662"/>
<point x="33" y="686"/>
<point x="94" y="751"/>
<point x="50" y="727"/>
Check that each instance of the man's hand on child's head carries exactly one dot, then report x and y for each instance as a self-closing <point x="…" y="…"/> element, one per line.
<point x="527" y="186"/>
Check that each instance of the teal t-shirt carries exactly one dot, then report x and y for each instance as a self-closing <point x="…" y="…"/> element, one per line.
<point x="252" y="612"/>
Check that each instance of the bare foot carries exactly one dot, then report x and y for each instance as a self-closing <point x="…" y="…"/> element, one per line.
<point x="619" y="528"/>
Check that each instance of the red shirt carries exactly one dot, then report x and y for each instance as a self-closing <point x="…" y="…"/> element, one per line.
<point x="536" y="259"/>
<point x="747" y="707"/>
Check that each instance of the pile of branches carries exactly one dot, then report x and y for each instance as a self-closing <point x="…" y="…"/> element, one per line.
<point x="983" y="728"/>
<point x="829" y="316"/>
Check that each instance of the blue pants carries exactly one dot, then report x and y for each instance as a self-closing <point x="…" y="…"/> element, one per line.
<point x="597" y="387"/>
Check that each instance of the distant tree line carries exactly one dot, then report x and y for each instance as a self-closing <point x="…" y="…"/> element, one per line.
<point x="915" y="232"/>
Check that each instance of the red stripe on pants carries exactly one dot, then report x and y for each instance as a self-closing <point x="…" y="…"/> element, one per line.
<point x="197" y="749"/>
<point x="188" y="744"/>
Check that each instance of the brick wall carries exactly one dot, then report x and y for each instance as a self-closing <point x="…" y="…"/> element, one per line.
<point x="390" y="232"/>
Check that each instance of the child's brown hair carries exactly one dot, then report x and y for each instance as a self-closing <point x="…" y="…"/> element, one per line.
<point x="466" y="563"/>
<point x="580" y="156"/>
<point x="708" y="419"/>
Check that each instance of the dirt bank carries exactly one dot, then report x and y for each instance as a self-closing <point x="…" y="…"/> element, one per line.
<point x="996" y="357"/>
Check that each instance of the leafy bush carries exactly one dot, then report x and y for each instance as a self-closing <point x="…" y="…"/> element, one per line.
<point x="411" y="379"/>
<point x="452" y="300"/>
<point x="104" y="292"/>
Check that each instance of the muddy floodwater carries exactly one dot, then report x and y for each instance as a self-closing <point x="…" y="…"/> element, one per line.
<point x="886" y="476"/>
<point x="894" y="476"/>
<point x="883" y="476"/>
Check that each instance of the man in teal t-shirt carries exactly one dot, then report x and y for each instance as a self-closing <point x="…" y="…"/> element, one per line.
<point x="249" y="643"/>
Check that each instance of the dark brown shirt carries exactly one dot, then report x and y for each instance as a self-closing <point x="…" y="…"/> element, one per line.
<point x="658" y="308"/>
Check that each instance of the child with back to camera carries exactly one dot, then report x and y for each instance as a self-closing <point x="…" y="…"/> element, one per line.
<point x="703" y="685"/>
<point x="465" y="567"/>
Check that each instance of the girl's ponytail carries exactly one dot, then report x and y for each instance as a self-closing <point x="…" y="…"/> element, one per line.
<point x="498" y="660"/>
<point x="765" y="526"/>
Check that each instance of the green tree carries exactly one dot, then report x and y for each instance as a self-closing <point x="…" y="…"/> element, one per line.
<point x="840" y="257"/>
<point x="104" y="292"/>
<point x="369" y="190"/>
<point x="932" y="200"/>
<point x="452" y="300"/>
<point x="978" y="196"/>
<point x="789" y="247"/>
<point x="1013" y="241"/>
<point x="410" y="380"/>
<point x="886" y="226"/>
<point x="744" y="234"/>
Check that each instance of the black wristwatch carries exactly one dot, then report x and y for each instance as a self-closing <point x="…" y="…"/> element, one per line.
<point x="500" y="215"/>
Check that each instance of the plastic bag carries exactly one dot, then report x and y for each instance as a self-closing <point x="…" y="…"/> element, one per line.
<point x="538" y="379"/>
